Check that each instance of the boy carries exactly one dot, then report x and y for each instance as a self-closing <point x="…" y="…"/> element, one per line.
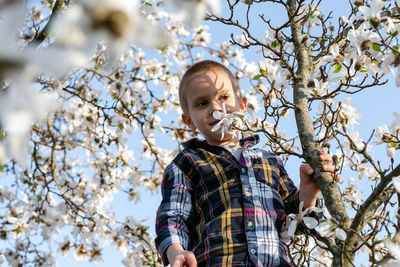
<point x="223" y="200"/>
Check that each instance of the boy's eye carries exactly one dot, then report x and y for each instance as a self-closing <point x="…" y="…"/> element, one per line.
<point x="201" y="103"/>
<point x="224" y="97"/>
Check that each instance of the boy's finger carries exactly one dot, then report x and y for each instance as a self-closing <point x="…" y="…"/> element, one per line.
<point x="191" y="260"/>
<point x="306" y="169"/>
<point x="328" y="168"/>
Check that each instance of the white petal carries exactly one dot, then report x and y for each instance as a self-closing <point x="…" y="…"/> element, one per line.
<point x="12" y="220"/>
<point x="390" y="151"/>
<point x="396" y="183"/>
<point x="224" y="107"/>
<point x="325" y="228"/>
<point x="315" y="209"/>
<point x="223" y="132"/>
<point x="292" y="228"/>
<point x="393" y="249"/>
<point x="217" y="115"/>
<point x="341" y="234"/>
<point x="310" y="222"/>
<point x="216" y="127"/>
<point x="284" y="237"/>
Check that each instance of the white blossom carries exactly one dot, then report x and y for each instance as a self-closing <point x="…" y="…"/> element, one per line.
<point x="396" y="183"/>
<point x="191" y="12"/>
<point x="115" y="22"/>
<point x="372" y="11"/>
<point x="225" y="120"/>
<point x="20" y="107"/>
<point x="292" y="220"/>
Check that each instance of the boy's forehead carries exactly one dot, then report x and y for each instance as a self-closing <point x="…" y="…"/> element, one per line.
<point x="209" y="78"/>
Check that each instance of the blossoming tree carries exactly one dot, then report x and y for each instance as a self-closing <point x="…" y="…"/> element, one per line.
<point x="89" y="94"/>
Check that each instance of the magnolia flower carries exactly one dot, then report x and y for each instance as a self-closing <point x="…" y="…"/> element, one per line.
<point x="348" y="113"/>
<point x="191" y="12"/>
<point x="225" y="120"/>
<point x="21" y="107"/>
<point x="396" y="183"/>
<point x="14" y="61"/>
<point x="116" y="22"/>
<point x="333" y="53"/>
<point x="373" y="11"/>
<point x="321" y="87"/>
<point x="396" y="122"/>
<point x="292" y="220"/>
<point x="394" y="251"/>
<point x="328" y="228"/>
<point x="352" y="194"/>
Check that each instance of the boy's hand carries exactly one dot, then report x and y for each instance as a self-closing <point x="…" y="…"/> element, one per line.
<point x="178" y="257"/>
<point x="308" y="187"/>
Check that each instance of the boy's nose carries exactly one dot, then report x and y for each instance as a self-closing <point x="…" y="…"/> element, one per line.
<point x="216" y="105"/>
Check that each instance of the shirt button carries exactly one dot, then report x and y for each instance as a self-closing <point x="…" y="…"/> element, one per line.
<point x="253" y="251"/>
<point x="247" y="194"/>
<point x="250" y="223"/>
<point x="243" y="170"/>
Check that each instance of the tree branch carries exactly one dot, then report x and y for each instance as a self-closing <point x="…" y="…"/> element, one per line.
<point x="305" y="127"/>
<point x="44" y="33"/>
<point x="365" y="211"/>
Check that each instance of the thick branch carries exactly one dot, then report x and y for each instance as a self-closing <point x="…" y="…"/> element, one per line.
<point x="44" y="33"/>
<point x="365" y="211"/>
<point x="305" y="127"/>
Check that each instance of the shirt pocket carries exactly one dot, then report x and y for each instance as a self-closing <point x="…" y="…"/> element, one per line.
<point x="266" y="173"/>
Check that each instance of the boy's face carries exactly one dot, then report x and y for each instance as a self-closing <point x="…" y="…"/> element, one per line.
<point x="205" y="91"/>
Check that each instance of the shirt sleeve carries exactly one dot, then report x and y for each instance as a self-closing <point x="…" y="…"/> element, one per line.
<point x="175" y="213"/>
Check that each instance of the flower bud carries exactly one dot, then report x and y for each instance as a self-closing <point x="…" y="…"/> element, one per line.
<point x="374" y="22"/>
<point x="311" y="84"/>
<point x="387" y="138"/>
<point x="366" y="45"/>
<point x="339" y="59"/>
<point x="359" y="65"/>
<point x="359" y="2"/>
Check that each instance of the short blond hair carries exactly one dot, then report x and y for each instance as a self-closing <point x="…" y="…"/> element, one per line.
<point x="201" y="66"/>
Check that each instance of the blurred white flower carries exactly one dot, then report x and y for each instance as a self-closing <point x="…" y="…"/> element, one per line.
<point x="192" y="12"/>
<point x="396" y="122"/>
<point x="115" y="22"/>
<point x="21" y="106"/>
<point x="14" y="59"/>
<point x="394" y="251"/>
<point x="396" y="183"/>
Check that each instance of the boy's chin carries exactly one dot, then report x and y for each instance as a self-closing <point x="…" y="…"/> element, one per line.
<point x="227" y="139"/>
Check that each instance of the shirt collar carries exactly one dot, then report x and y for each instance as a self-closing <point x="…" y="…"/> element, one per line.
<point x="244" y="142"/>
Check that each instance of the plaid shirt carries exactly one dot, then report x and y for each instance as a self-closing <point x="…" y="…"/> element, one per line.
<point x="228" y="212"/>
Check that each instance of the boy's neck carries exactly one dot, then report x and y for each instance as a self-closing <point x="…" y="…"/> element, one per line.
<point x="234" y="141"/>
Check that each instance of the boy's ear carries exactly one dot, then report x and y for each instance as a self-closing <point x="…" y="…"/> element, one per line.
<point x="188" y="121"/>
<point x="243" y="104"/>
